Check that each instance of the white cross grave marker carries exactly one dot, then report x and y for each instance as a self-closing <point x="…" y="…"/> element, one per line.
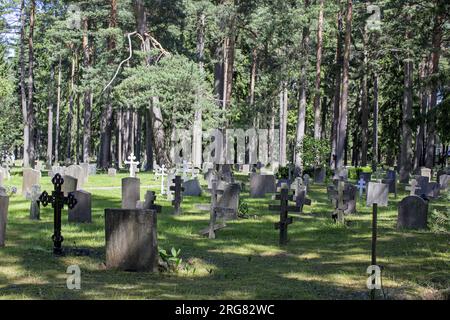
<point x="131" y="161"/>
<point x="361" y="186"/>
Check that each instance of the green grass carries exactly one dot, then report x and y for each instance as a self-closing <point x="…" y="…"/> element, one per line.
<point x="321" y="261"/>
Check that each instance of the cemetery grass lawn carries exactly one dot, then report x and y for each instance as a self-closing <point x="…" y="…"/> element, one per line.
<point x="321" y="261"/>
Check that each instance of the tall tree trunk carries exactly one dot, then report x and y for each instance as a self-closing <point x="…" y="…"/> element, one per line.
<point x="283" y="122"/>
<point x="317" y="109"/>
<point x="50" y="119"/>
<point x="420" y="138"/>
<point x="58" y="109"/>
<point x="342" y="128"/>
<point x="70" y="113"/>
<point x="301" y="116"/>
<point x="87" y="99"/>
<point x="364" y="106"/>
<point x="23" y="94"/>
<point x="107" y="112"/>
<point x="435" y="56"/>
<point x="337" y="91"/>
<point x="30" y="110"/>
<point x="198" y="124"/>
<point x="406" y="145"/>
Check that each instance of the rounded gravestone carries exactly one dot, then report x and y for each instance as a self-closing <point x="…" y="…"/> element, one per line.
<point x="412" y="213"/>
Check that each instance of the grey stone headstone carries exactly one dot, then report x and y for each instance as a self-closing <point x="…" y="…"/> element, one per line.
<point x="412" y="213"/>
<point x="4" y="203"/>
<point x="82" y="212"/>
<point x="320" y="175"/>
<point x="192" y="188"/>
<point x="425" y="172"/>
<point x="131" y="192"/>
<point x="92" y="170"/>
<point x="30" y="178"/>
<point x="377" y="193"/>
<point x="230" y="200"/>
<point x="444" y="181"/>
<point x="262" y="184"/>
<point x="422" y="182"/>
<point x="70" y="184"/>
<point x="433" y="190"/>
<point x="112" y="172"/>
<point x="35" y="210"/>
<point x="131" y="240"/>
<point x="366" y="176"/>
<point x="85" y="167"/>
<point x="351" y="191"/>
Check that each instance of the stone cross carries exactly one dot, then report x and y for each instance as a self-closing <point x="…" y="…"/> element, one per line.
<point x="131" y="161"/>
<point x="361" y="186"/>
<point x="57" y="201"/>
<point x="413" y="187"/>
<point x="341" y="205"/>
<point x="284" y="208"/>
<point x="178" y="194"/>
<point x="306" y="179"/>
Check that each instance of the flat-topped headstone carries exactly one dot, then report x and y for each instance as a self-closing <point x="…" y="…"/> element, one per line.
<point x="76" y="172"/>
<point x="70" y="184"/>
<point x="82" y="212"/>
<point x="30" y="178"/>
<point x="4" y="203"/>
<point x="131" y="240"/>
<point x="366" y="176"/>
<point x="112" y="172"/>
<point x="444" y="181"/>
<point x="425" y="172"/>
<point x="377" y="193"/>
<point x="192" y="188"/>
<point x="92" y="169"/>
<point x="412" y="213"/>
<point x="35" y="210"/>
<point x="230" y="200"/>
<point x="131" y="192"/>
<point x="423" y="185"/>
<point x="85" y="167"/>
<point x="320" y="175"/>
<point x="262" y="184"/>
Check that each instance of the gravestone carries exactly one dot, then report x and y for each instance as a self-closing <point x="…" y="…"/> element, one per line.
<point x="444" y="181"/>
<point x="413" y="187"/>
<point x="70" y="184"/>
<point x="433" y="190"/>
<point x="351" y="191"/>
<point x="342" y="173"/>
<point x="30" y="178"/>
<point x="412" y="213"/>
<point x="284" y="209"/>
<point x="261" y="184"/>
<point x="361" y="186"/>
<point x="320" y="175"/>
<point x="92" y="169"/>
<point x="4" y="203"/>
<point x="76" y="172"/>
<point x="391" y="180"/>
<point x="301" y="200"/>
<point x="112" y="172"/>
<point x="35" y="209"/>
<point x="306" y="180"/>
<point x="178" y="189"/>
<point x="377" y="193"/>
<point x="161" y="173"/>
<point x="425" y="172"/>
<point x="230" y="201"/>
<point x="82" y="212"/>
<point x="131" y="192"/>
<point x="149" y="203"/>
<point x="366" y="176"/>
<point x="192" y="188"/>
<point x="131" y="240"/>
<point x="423" y="185"/>
<point x="85" y="167"/>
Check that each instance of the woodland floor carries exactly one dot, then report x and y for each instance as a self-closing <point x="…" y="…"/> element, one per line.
<point x="322" y="260"/>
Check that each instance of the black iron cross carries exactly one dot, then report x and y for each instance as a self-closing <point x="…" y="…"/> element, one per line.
<point x="178" y="196"/>
<point x="58" y="201"/>
<point x="284" y="208"/>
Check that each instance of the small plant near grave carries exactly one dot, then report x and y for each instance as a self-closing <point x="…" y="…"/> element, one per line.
<point x="243" y="209"/>
<point x="439" y="220"/>
<point x="171" y="261"/>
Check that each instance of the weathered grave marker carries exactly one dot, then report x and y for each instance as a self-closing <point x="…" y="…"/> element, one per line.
<point x="112" y="172"/>
<point x="178" y="189"/>
<point x="30" y="178"/>
<point x="412" y="213"/>
<point x="149" y="203"/>
<point x="133" y="165"/>
<point x="82" y="212"/>
<point x="130" y="192"/>
<point x="57" y="200"/>
<point x="35" y="209"/>
<point x="131" y="240"/>
<point x="284" y="208"/>
<point x="361" y="187"/>
<point x="413" y="187"/>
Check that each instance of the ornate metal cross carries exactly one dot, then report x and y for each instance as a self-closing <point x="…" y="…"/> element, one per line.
<point x="58" y="201"/>
<point x="284" y="208"/>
